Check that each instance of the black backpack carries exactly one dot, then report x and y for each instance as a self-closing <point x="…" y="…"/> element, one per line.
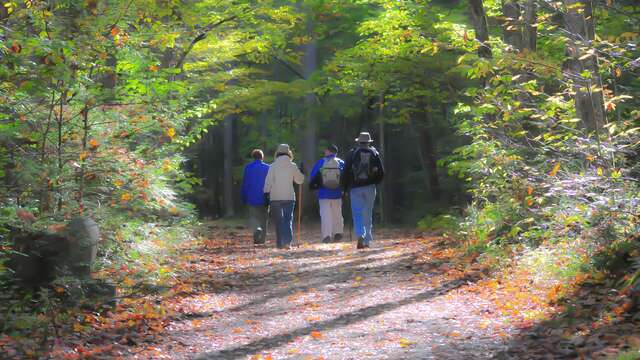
<point x="364" y="166"/>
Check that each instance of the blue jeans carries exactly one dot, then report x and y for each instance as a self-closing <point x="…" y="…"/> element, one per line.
<point x="362" y="201"/>
<point x="282" y="213"/>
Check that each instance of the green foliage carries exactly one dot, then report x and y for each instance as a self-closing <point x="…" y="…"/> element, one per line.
<point x="537" y="175"/>
<point x="447" y="223"/>
<point x="631" y="354"/>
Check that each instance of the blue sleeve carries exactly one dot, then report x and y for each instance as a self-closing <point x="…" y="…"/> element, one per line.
<point x="316" y="168"/>
<point x="245" y="185"/>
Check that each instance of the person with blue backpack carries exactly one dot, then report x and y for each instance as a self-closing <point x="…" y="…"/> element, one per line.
<point x="326" y="178"/>
<point x="363" y="171"/>
<point x="255" y="174"/>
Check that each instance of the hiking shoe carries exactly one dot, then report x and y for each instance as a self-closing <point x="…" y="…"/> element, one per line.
<point x="360" y="242"/>
<point x="327" y="240"/>
<point x="258" y="238"/>
<point x="337" y="237"/>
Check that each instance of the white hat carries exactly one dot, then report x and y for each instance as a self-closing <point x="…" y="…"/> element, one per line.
<point x="284" y="149"/>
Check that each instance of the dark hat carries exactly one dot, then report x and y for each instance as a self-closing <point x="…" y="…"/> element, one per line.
<point x="364" y="137"/>
<point x="333" y="148"/>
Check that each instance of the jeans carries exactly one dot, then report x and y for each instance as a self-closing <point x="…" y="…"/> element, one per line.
<point x="282" y="213"/>
<point x="331" y="221"/>
<point x="362" y="201"/>
<point x="258" y="219"/>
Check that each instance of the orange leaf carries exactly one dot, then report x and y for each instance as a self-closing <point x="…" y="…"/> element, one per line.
<point x="618" y="72"/>
<point x="555" y="169"/>
<point x="115" y="31"/>
<point x="316" y="334"/>
<point x="153" y="68"/>
<point x="16" y="48"/>
<point x="610" y="106"/>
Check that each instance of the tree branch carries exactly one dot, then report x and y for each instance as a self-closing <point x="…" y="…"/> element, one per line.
<point x="203" y="35"/>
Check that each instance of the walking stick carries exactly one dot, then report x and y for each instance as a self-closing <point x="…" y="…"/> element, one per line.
<point x="350" y="221"/>
<point x="266" y="223"/>
<point x="300" y="187"/>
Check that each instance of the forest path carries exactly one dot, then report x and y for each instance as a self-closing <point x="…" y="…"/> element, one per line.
<point x="327" y="301"/>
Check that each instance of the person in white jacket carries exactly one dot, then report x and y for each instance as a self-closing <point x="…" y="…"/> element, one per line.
<point x="278" y="188"/>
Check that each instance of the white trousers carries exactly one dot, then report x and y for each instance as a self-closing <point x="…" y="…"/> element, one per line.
<point x="331" y="219"/>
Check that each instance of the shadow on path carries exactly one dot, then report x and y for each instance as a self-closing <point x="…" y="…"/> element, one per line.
<point x="340" y="321"/>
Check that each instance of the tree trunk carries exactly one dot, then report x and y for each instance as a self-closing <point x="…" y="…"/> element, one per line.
<point x="588" y="91"/>
<point x="512" y="28"/>
<point x="83" y="161"/>
<point x="228" y="166"/>
<point x="59" y="150"/>
<point x="308" y="139"/>
<point x="429" y="157"/>
<point x="4" y="12"/>
<point x="383" y="191"/>
<point x="109" y="78"/>
<point x="530" y="32"/>
<point x="479" y="19"/>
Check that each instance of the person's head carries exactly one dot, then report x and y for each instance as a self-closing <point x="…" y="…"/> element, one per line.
<point x="284" y="150"/>
<point x="257" y="154"/>
<point x="331" y="150"/>
<point x="364" y="139"/>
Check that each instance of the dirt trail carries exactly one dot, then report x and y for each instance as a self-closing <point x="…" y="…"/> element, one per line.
<point x="328" y="301"/>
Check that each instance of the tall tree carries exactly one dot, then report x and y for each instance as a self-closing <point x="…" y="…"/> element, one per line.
<point x="582" y="63"/>
<point x="512" y="11"/>
<point x="229" y="153"/>
<point x="308" y="136"/>
<point x="479" y="19"/>
<point x="530" y="32"/>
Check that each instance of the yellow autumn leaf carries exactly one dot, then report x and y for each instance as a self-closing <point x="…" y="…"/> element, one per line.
<point x="125" y="197"/>
<point x="555" y="169"/>
<point x="171" y="133"/>
<point x="406" y="343"/>
<point x="600" y="171"/>
<point x="118" y="183"/>
<point x="83" y="155"/>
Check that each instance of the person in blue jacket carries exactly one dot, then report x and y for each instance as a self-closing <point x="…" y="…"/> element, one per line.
<point x="326" y="176"/>
<point x="253" y="180"/>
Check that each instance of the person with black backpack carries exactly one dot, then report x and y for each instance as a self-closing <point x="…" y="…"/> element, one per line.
<point x="363" y="171"/>
<point x="326" y="177"/>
